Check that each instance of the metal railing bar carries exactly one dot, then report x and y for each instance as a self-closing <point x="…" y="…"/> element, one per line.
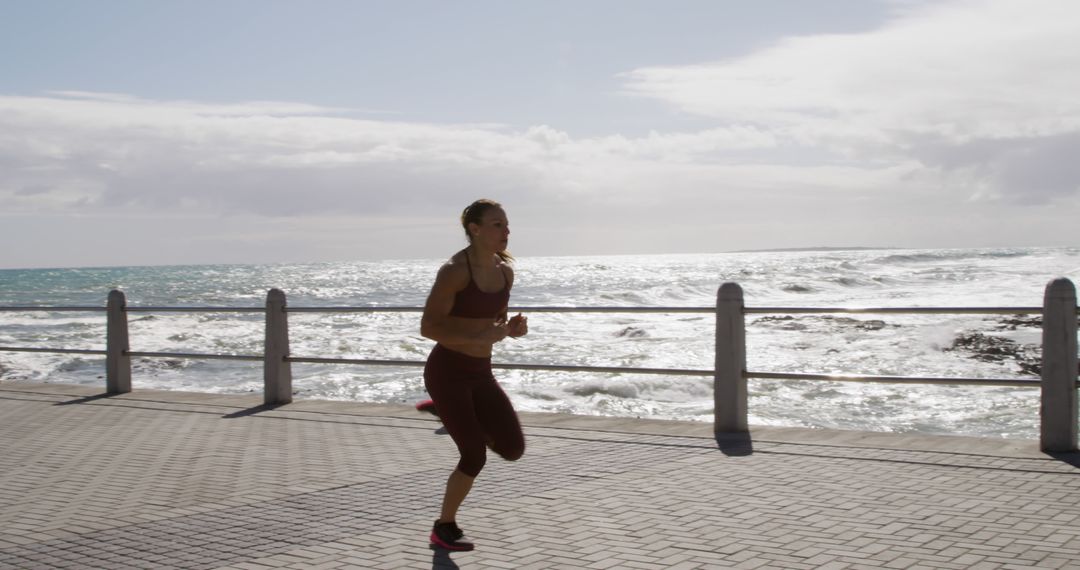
<point x="250" y="357"/>
<point x="911" y="310"/>
<point x="1015" y="382"/>
<point x="510" y="309"/>
<point x="605" y="369"/>
<point x="17" y="309"/>
<point x="370" y="361"/>
<point x="661" y="310"/>
<point x="548" y="309"/>
<point x="53" y="350"/>
<point x="510" y="366"/>
<point x="195" y="309"/>
<point x="554" y="309"/>
<point x="354" y="309"/>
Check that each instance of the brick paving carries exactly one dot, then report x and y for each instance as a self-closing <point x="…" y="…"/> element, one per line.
<point x="158" y="479"/>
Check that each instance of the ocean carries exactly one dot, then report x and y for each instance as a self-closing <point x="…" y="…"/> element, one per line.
<point x="887" y="344"/>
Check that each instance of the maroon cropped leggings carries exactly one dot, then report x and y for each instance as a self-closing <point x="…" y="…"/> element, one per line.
<point x="472" y="406"/>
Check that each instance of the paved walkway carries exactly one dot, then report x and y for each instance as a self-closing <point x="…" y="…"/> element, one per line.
<point x="158" y="479"/>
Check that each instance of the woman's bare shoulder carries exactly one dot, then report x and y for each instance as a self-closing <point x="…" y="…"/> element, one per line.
<point x="455" y="270"/>
<point x="507" y="269"/>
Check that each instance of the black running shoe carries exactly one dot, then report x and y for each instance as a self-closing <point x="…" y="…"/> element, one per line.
<point x="449" y="536"/>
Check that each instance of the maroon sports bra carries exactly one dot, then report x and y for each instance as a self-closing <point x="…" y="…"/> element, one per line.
<point x="472" y="303"/>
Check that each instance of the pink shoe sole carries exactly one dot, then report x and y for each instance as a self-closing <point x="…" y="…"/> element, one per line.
<point x="455" y="547"/>
<point x="427" y="406"/>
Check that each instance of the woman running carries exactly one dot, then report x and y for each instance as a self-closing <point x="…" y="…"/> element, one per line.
<point x="465" y="315"/>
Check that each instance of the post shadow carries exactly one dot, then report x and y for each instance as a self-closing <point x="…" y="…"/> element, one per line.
<point x="252" y="411"/>
<point x="735" y="444"/>
<point x="85" y="399"/>
<point x="1069" y="457"/>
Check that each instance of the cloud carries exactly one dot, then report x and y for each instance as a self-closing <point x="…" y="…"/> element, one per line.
<point x="196" y="174"/>
<point x="960" y="86"/>
<point x="114" y="152"/>
<point x="954" y="124"/>
<point x="110" y="152"/>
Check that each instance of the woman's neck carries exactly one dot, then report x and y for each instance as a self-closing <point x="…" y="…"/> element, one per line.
<point x="480" y="255"/>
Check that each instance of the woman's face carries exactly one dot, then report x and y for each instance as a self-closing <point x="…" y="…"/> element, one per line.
<point x="493" y="231"/>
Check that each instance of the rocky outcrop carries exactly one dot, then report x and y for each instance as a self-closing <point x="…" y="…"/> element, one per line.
<point x="788" y="322"/>
<point x="991" y="348"/>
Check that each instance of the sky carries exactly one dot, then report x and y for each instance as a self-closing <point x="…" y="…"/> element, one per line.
<point x="264" y="131"/>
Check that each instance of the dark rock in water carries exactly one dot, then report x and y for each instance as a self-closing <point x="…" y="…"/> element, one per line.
<point x="871" y="325"/>
<point x="1022" y="321"/>
<point x="790" y="323"/>
<point x="770" y="319"/>
<point x="786" y="323"/>
<point x="793" y="288"/>
<point x="874" y="325"/>
<point x="1018" y="321"/>
<point x="631" y="332"/>
<point x="989" y="348"/>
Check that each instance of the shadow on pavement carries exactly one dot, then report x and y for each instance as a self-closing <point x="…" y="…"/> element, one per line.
<point x="252" y="411"/>
<point x="735" y="444"/>
<point x="86" y="399"/>
<point x="1069" y="457"/>
<point x="441" y="559"/>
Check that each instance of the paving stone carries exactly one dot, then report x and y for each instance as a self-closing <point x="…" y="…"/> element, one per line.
<point x="180" y="480"/>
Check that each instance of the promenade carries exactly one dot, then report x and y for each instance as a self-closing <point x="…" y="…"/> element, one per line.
<point x="154" y="479"/>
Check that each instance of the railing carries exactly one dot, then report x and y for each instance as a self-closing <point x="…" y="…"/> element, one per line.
<point x="1058" y="381"/>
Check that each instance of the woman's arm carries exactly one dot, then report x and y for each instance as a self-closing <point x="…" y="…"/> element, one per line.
<point x="439" y="326"/>
<point x="518" y="325"/>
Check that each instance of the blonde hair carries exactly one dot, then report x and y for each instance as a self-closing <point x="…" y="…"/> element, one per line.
<point x="474" y="214"/>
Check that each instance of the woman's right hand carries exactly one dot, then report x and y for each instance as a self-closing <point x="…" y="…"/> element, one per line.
<point x="495" y="333"/>
<point x="518" y="326"/>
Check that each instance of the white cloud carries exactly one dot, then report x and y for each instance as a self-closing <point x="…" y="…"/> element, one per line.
<point x="992" y="80"/>
<point x="203" y="174"/>
<point x="88" y="152"/>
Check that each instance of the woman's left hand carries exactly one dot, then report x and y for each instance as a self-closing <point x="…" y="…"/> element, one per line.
<point x="518" y="326"/>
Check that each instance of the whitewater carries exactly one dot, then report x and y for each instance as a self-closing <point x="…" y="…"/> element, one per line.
<point x="877" y="344"/>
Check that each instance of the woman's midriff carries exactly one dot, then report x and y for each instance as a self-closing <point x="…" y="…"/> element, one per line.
<point x="471" y="327"/>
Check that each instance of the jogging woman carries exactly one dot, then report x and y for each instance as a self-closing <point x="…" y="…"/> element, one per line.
<point x="466" y="314"/>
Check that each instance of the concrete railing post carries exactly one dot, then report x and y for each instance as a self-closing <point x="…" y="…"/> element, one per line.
<point x="1058" y="411"/>
<point x="277" y="372"/>
<point x="729" y="385"/>
<point x="117" y="361"/>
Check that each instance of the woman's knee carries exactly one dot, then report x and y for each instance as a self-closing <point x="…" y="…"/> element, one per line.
<point x="472" y="462"/>
<point x="511" y="452"/>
